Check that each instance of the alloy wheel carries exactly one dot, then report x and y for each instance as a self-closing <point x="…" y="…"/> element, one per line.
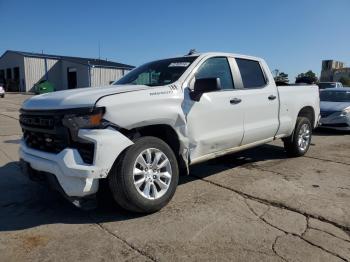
<point x="152" y="173"/>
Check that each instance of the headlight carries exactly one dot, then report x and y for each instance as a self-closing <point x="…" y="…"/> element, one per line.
<point x="345" y="112"/>
<point x="90" y="119"/>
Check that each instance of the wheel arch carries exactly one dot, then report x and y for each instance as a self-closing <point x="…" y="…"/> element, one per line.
<point x="166" y="133"/>
<point x="309" y="113"/>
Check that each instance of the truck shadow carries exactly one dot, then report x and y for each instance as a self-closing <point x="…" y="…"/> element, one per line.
<point x="247" y="158"/>
<point x="25" y="204"/>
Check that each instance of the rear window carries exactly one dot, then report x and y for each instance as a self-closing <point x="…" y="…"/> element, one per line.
<point x="251" y="73"/>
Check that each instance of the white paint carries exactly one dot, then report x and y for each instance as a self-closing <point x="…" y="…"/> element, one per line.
<point x="76" y="177"/>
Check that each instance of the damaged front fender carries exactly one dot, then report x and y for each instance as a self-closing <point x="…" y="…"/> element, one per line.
<point x="109" y="144"/>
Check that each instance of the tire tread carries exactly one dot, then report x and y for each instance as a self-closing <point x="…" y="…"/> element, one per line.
<point x="117" y="182"/>
<point x="290" y="143"/>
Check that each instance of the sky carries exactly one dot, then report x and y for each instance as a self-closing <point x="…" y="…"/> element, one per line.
<point x="291" y="35"/>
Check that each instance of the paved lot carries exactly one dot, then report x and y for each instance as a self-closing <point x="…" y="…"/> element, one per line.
<point x="256" y="205"/>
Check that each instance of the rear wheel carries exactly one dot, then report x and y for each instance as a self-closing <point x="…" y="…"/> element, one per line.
<point x="145" y="177"/>
<point x="299" y="142"/>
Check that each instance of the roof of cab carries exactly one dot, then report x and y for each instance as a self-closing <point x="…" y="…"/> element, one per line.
<point x="226" y="54"/>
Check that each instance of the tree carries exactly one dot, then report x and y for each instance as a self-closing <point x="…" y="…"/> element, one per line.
<point x="345" y="81"/>
<point x="281" y="79"/>
<point x="308" y="78"/>
<point x="275" y="72"/>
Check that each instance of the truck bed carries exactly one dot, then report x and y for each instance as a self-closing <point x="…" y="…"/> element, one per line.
<point x="292" y="99"/>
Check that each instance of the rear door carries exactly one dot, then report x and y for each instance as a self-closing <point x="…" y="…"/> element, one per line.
<point x="259" y="101"/>
<point x="215" y="122"/>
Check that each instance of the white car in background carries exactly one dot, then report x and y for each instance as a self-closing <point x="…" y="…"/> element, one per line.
<point x="335" y="108"/>
<point x="2" y="91"/>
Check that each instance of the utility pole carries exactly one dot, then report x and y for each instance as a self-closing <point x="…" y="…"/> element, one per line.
<point x="99" y="50"/>
<point x="99" y="60"/>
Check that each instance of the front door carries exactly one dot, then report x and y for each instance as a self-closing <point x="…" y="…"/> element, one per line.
<point x="215" y="122"/>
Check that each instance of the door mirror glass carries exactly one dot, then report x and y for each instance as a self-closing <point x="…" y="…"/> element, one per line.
<point x="205" y="85"/>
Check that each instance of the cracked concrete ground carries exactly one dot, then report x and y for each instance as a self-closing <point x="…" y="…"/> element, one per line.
<point x="255" y="205"/>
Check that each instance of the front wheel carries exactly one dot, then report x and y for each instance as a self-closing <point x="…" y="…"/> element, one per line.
<point x="145" y="177"/>
<point x="299" y="142"/>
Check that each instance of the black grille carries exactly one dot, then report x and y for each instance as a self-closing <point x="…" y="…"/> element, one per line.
<point x="86" y="151"/>
<point x="35" y="121"/>
<point x="44" y="131"/>
<point x="327" y="113"/>
<point x="52" y="143"/>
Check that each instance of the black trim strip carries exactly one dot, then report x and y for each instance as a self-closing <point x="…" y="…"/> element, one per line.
<point x="78" y="110"/>
<point x="117" y="94"/>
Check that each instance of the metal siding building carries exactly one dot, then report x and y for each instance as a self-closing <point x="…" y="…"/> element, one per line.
<point x="101" y="76"/>
<point x="34" y="71"/>
<point x="21" y="71"/>
<point x="10" y="61"/>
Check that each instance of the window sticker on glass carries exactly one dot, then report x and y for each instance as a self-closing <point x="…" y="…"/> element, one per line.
<point x="179" y="64"/>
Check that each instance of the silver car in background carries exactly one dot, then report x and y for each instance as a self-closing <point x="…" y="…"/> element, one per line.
<point x="335" y="108"/>
<point x="327" y="85"/>
<point x="2" y="90"/>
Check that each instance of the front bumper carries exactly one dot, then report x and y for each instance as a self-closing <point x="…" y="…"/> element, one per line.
<point x="77" y="178"/>
<point x="336" y="121"/>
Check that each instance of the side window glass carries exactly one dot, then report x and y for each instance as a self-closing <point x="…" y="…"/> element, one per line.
<point x="216" y="67"/>
<point x="251" y="73"/>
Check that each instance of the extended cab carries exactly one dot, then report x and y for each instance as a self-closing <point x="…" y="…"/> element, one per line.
<point x="160" y="118"/>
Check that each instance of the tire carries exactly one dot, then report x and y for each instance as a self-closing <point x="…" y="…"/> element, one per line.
<point x="150" y="195"/>
<point x="299" y="142"/>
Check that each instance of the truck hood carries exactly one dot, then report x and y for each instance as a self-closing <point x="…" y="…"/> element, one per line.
<point x="333" y="106"/>
<point x="81" y="97"/>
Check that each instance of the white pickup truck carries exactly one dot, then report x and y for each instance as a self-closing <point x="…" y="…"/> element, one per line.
<point x="160" y="118"/>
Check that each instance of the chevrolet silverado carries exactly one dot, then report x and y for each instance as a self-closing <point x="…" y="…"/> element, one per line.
<point x="161" y="117"/>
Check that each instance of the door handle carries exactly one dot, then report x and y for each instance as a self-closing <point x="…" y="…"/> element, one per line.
<point x="235" y="101"/>
<point x="272" y="97"/>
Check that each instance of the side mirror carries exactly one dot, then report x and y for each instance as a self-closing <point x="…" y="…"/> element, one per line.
<point x="205" y="85"/>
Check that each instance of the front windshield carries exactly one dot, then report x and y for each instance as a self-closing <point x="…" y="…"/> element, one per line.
<point x="335" y="96"/>
<point x="326" y="85"/>
<point x="157" y="73"/>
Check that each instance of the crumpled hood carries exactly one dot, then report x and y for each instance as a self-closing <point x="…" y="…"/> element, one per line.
<point x="81" y="97"/>
<point x="333" y="106"/>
